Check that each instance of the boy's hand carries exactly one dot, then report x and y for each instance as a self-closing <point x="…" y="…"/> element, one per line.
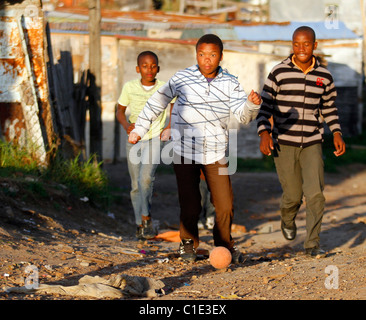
<point x="130" y="128"/>
<point x="165" y="135"/>
<point x="255" y="97"/>
<point x="339" y="144"/>
<point x="133" y="138"/>
<point x="266" y="144"/>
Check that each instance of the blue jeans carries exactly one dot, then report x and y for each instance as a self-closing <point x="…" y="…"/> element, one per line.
<point x="208" y="209"/>
<point x="142" y="160"/>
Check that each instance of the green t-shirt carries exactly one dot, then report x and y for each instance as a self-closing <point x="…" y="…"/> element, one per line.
<point x="134" y="96"/>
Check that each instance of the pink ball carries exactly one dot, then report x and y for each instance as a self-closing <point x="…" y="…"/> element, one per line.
<point x="220" y="257"/>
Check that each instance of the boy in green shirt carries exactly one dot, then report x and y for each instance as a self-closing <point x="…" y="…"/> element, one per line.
<point x="144" y="157"/>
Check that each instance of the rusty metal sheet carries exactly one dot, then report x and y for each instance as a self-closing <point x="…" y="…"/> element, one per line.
<point x="11" y="60"/>
<point x="23" y="81"/>
<point x="12" y="121"/>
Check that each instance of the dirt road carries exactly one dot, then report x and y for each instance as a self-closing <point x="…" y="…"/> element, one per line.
<point x="66" y="238"/>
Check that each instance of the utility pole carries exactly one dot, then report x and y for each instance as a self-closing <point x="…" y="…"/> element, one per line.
<point x="95" y="79"/>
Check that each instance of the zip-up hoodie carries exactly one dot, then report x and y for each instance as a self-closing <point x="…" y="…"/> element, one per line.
<point x="201" y="113"/>
<point x="299" y="103"/>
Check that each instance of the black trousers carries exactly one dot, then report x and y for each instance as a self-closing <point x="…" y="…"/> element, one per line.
<point x="218" y="181"/>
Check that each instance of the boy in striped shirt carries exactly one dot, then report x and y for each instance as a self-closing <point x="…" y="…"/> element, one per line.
<point x="298" y="95"/>
<point x="205" y="95"/>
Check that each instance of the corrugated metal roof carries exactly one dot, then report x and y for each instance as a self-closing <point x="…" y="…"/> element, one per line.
<point x="192" y="27"/>
<point x="224" y="34"/>
<point x="82" y="14"/>
<point x="192" y="33"/>
<point x="283" y="32"/>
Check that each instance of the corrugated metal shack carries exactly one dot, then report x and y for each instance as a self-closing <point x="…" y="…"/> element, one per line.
<point x="251" y="50"/>
<point x="171" y="36"/>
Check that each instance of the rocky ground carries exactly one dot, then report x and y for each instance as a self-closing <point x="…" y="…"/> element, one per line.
<point x="63" y="239"/>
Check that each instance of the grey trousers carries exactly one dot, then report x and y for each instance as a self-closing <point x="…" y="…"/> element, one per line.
<point x="301" y="174"/>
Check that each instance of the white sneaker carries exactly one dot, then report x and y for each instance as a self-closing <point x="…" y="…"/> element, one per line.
<point x="210" y="222"/>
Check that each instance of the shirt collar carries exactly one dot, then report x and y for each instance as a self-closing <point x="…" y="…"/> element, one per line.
<point x="308" y="69"/>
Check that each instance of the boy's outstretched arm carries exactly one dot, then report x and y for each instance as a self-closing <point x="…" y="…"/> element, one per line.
<point x="165" y="134"/>
<point x="339" y="144"/>
<point x="154" y="106"/>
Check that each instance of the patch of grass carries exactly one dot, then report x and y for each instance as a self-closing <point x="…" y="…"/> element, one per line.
<point x="37" y="188"/>
<point x="16" y="159"/>
<point x="355" y="152"/>
<point x="265" y="164"/>
<point x="83" y="178"/>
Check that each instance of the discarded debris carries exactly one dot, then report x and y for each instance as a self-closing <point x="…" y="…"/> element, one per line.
<point x="266" y="229"/>
<point x="230" y="296"/>
<point x="111" y="215"/>
<point x="361" y="220"/>
<point x="131" y="251"/>
<point x="170" y="236"/>
<point x="118" y="286"/>
<point x="238" y="228"/>
<point x="118" y="238"/>
<point x="277" y="277"/>
<point x="165" y="260"/>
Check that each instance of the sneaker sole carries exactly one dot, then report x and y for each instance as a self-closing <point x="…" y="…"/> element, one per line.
<point x="149" y="237"/>
<point x="189" y="259"/>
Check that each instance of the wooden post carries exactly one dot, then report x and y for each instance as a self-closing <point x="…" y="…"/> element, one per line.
<point x="95" y="78"/>
<point x="117" y="136"/>
<point x="363" y="15"/>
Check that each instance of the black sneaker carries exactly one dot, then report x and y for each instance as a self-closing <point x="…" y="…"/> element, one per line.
<point x="236" y="256"/>
<point x="140" y="233"/>
<point x="315" y="252"/>
<point x="288" y="233"/>
<point x="187" y="250"/>
<point x="147" y="229"/>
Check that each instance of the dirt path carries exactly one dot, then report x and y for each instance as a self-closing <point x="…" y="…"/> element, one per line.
<point x="66" y="239"/>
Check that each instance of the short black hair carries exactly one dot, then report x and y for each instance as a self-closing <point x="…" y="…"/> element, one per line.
<point x="147" y="53"/>
<point x="305" y="29"/>
<point x="210" y="38"/>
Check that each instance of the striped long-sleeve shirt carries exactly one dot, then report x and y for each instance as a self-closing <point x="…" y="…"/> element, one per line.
<point x="201" y="113"/>
<point x="299" y="103"/>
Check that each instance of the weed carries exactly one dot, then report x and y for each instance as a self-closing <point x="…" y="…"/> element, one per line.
<point x="82" y="178"/>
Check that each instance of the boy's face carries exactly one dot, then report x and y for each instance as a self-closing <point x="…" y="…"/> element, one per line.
<point x="148" y="68"/>
<point x="208" y="57"/>
<point x="303" y="45"/>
